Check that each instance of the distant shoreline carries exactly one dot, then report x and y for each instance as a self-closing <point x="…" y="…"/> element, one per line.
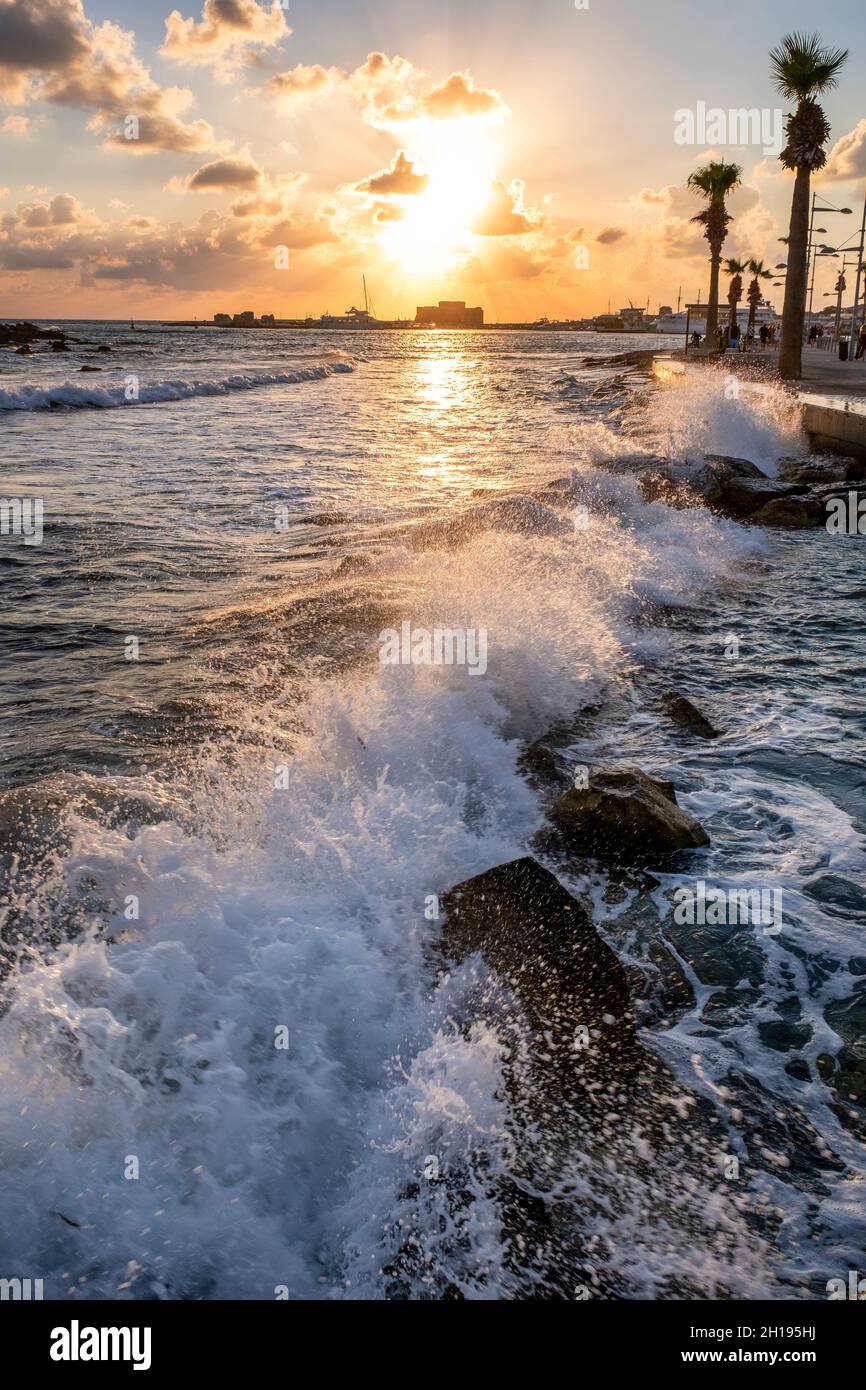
<point x="319" y="328"/>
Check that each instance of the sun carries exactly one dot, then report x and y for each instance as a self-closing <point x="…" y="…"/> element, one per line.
<point x="436" y="228"/>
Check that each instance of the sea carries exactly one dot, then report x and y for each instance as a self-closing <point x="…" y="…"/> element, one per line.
<point x="233" y="1064"/>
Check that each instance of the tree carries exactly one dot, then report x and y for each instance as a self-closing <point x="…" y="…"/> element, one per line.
<point x="715" y="181"/>
<point x="803" y="68"/>
<point x="736" y="270"/>
<point x="759" y="272"/>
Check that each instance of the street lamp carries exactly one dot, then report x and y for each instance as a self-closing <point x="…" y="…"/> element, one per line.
<point x="826" y="206"/>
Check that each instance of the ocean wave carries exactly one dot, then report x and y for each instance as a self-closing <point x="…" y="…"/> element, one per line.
<point x="76" y="395"/>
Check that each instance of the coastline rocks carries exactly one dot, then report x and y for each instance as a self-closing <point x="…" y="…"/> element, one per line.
<point x="681" y="484"/>
<point x="819" y="470"/>
<point x="687" y="715"/>
<point x="14" y="334"/>
<point x="794" y="512"/>
<point x="625" y="814"/>
<point x="744" y="495"/>
<point x="541" y="940"/>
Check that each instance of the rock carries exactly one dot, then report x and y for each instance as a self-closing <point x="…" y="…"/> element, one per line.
<point x="541" y="940"/>
<point x="15" y="333"/>
<point x="25" y="350"/>
<point x="681" y="484"/>
<point x="91" y="369"/>
<point x="58" y="345"/>
<point x="744" y="495"/>
<point x="795" y="512"/>
<point x="539" y="759"/>
<point x="683" y="712"/>
<point x="103" y="347"/>
<point x="730" y="467"/>
<point x="819" y="470"/>
<point x="624" y="814"/>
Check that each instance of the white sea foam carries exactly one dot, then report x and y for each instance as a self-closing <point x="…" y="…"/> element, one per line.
<point x="75" y="394"/>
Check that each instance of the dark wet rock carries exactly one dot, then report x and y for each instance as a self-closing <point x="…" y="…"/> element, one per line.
<point x="103" y="347"/>
<point x="541" y="941"/>
<point x="687" y="715"/>
<point x="782" y="1035"/>
<point x="744" y="496"/>
<point x="540" y="761"/>
<point x="779" y="1137"/>
<point x="730" y="466"/>
<point x="685" y="484"/>
<point x="857" y="965"/>
<point x="25" y="350"/>
<point x="58" y="345"/>
<point x="819" y="470"/>
<point x="91" y="369"/>
<point x="797" y="513"/>
<point x="798" y="1067"/>
<point x="639" y="357"/>
<point x="625" y="814"/>
<point x="834" y="891"/>
<point x="12" y="334"/>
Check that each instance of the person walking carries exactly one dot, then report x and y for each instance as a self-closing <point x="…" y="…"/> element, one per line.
<point x="861" y="342"/>
<point x="763" y="334"/>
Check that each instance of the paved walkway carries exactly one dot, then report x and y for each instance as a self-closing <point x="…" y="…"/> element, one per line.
<point x="822" y="371"/>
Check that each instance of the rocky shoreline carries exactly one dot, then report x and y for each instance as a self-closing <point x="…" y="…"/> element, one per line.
<point x="588" y="1073"/>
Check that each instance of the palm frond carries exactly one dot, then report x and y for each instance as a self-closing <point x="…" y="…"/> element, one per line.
<point x="803" y="66"/>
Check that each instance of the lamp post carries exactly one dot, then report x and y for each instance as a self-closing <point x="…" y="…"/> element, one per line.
<point x="855" y="312"/>
<point x="826" y="206"/>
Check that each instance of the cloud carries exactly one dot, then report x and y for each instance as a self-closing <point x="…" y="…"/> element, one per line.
<point x="228" y="33"/>
<point x="50" y="51"/>
<point x="458" y="96"/>
<point x="399" y="177"/>
<point x="16" y="126"/>
<point x="387" y="90"/>
<point x="223" y="175"/>
<point x="62" y="210"/>
<point x="847" y="159"/>
<point x="33" y="258"/>
<point x="503" y="213"/>
<point x="609" y="235"/>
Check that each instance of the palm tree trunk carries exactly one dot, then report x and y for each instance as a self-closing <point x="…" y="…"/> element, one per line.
<point x="794" y="312"/>
<point x="713" y="301"/>
<point x="733" y="313"/>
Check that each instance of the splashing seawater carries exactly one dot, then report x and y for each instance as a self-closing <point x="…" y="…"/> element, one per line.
<point x="145" y="1044"/>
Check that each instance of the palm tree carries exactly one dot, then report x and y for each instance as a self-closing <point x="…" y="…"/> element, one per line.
<point x="715" y="181"/>
<point x="736" y="270"/>
<point x="803" y="68"/>
<point x="759" y="272"/>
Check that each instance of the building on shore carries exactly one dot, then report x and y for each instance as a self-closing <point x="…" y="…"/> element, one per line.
<point x="247" y="319"/>
<point x="449" y="313"/>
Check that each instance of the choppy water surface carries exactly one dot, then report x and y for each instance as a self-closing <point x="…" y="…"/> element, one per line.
<point x="265" y="508"/>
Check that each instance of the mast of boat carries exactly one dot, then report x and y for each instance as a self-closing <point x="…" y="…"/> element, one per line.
<point x="364" y="283"/>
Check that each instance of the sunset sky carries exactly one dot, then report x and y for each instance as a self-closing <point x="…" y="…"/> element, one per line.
<point x="446" y="150"/>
